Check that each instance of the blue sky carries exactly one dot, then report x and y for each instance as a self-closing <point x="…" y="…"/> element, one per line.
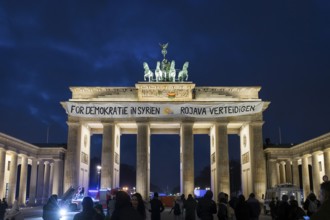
<point x="282" y="46"/>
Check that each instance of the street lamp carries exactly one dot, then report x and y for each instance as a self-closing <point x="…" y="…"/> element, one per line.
<point x="98" y="167"/>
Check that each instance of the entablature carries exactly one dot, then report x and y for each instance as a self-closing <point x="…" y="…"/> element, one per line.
<point x="161" y="91"/>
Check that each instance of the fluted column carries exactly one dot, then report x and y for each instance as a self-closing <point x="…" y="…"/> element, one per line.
<point x="46" y="182"/>
<point x="12" y="178"/>
<point x="305" y="176"/>
<point x="23" y="181"/>
<point x="316" y="173"/>
<point x="72" y="162"/>
<point x="108" y="155"/>
<point x="258" y="162"/>
<point x="33" y="182"/>
<point x="51" y="180"/>
<point x="272" y="172"/>
<point x="326" y="155"/>
<point x="143" y="160"/>
<point x="278" y="171"/>
<point x="40" y="185"/>
<point x="288" y="171"/>
<point x="58" y="177"/>
<point x="187" y="155"/>
<point x="282" y="172"/>
<point x="295" y="172"/>
<point x="2" y="171"/>
<point x="222" y="181"/>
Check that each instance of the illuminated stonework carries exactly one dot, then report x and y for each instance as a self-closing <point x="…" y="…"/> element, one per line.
<point x="180" y="108"/>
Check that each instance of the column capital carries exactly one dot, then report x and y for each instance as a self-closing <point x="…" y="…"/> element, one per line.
<point x="72" y="123"/>
<point x="306" y="155"/>
<point x="187" y="123"/>
<point x="316" y="153"/>
<point x="256" y="123"/>
<point x="296" y="159"/>
<point x="22" y="155"/>
<point x="12" y="152"/>
<point x="147" y="123"/>
<point x="221" y="123"/>
<point x="32" y="157"/>
<point x="327" y="149"/>
<point x="107" y="123"/>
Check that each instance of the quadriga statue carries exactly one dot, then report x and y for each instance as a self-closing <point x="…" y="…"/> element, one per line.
<point x="183" y="74"/>
<point x="147" y="72"/>
<point x="172" y="72"/>
<point x="158" y="73"/>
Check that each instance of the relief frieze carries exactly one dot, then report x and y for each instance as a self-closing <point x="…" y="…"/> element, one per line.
<point x="245" y="158"/>
<point x="175" y="92"/>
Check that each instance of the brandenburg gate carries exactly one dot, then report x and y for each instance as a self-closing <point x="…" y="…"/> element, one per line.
<point x="166" y="104"/>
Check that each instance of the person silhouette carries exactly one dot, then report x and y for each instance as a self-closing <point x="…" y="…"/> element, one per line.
<point x="124" y="209"/>
<point x="138" y="204"/>
<point x="206" y="207"/>
<point x="323" y="212"/>
<point x="88" y="211"/>
<point x="156" y="207"/>
<point x="50" y="211"/>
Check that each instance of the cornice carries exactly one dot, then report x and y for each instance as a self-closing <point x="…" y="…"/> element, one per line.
<point x="195" y="93"/>
<point x="19" y="147"/>
<point x="305" y="149"/>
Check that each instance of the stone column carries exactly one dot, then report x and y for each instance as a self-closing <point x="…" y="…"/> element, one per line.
<point x="2" y="171"/>
<point x="222" y="181"/>
<point x="316" y="173"/>
<point x="187" y="158"/>
<point x="326" y="155"/>
<point x="40" y="183"/>
<point x="33" y="182"/>
<point x="12" y="178"/>
<point x="305" y="176"/>
<point x="272" y="172"/>
<point x="23" y="181"/>
<point x="58" y="177"/>
<point x="282" y="172"/>
<point x="108" y="155"/>
<point x="46" y="182"/>
<point x="288" y="171"/>
<point x="278" y="168"/>
<point x="51" y="180"/>
<point x="116" y="180"/>
<point x="295" y="172"/>
<point x="258" y="162"/>
<point x="72" y="162"/>
<point x="143" y="160"/>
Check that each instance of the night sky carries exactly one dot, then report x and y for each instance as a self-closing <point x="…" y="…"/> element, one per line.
<point x="48" y="46"/>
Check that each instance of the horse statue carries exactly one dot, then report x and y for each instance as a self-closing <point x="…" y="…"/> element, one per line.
<point x="183" y="74"/>
<point x="172" y="72"/>
<point x="158" y="73"/>
<point x="147" y="72"/>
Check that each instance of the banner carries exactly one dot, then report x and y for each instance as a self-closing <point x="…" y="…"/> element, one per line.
<point x="135" y="110"/>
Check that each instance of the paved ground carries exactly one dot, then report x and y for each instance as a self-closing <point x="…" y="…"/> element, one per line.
<point x="35" y="214"/>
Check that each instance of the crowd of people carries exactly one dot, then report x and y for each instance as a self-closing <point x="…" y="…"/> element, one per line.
<point x="288" y="209"/>
<point x="122" y="206"/>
